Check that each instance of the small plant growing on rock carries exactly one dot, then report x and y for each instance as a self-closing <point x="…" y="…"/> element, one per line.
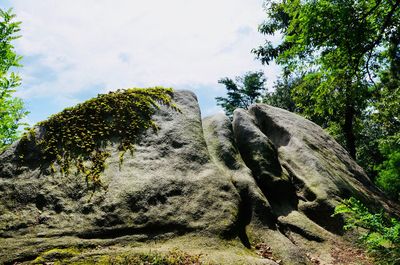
<point x="78" y="136"/>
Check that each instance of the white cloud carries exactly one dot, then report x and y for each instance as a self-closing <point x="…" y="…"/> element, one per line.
<point x="128" y="43"/>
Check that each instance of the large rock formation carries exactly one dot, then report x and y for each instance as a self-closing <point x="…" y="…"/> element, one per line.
<point x="258" y="190"/>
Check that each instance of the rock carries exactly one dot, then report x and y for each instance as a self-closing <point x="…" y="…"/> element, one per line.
<point x="321" y="170"/>
<point x="169" y="185"/>
<point x="215" y="187"/>
<point x="224" y="153"/>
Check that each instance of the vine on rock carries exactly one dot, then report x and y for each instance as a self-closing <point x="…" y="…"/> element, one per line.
<point x="78" y="136"/>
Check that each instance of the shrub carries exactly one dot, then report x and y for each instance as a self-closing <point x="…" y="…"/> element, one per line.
<point x="382" y="236"/>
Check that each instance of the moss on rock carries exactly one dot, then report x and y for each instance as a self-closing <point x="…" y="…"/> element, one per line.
<point x="56" y="254"/>
<point x="78" y="136"/>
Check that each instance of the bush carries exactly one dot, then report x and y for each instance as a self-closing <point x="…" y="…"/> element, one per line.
<point x="382" y="236"/>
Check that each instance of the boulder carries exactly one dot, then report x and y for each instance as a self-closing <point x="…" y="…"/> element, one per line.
<point x="260" y="189"/>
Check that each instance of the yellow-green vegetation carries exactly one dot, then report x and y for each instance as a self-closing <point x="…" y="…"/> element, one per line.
<point x="11" y="108"/>
<point x="56" y="254"/>
<point x="70" y="256"/>
<point x="173" y="257"/>
<point x="78" y="136"/>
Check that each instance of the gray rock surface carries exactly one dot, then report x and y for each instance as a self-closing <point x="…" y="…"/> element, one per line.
<point x="321" y="170"/>
<point x="269" y="177"/>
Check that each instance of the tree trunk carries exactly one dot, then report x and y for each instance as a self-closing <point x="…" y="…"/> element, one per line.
<point x="348" y="130"/>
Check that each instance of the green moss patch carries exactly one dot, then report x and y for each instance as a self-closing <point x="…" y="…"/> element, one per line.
<point x="56" y="254"/>
<point x="78" y="136"/>
<point x="172" y="257"/>
<point x="74" y="256"/>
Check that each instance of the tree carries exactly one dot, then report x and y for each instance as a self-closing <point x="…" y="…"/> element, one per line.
<point x="389" y="170"/>
<point x="242" y="93"/>
<point x="11" y="108"/>
<point x="337" y="46"/>
<point x="281" y="97"/>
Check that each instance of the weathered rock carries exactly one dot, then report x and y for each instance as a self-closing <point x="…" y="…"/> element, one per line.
<point x="321" y="171"/>
<point x="253" y="204"/>
<point x="169" y="185"/>
<point x="256" y="190"/>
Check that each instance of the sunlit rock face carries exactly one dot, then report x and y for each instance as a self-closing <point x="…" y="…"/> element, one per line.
<point x="269" y="177"/>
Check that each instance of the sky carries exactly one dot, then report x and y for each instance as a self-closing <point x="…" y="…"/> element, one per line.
<point x="73" y="50"/>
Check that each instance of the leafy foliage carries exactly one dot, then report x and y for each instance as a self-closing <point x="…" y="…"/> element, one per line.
<point x="387" y="117"/>
<point x="79" y="136"/>
<point x="338" y="47"/>
<point x="383" y="234"/>
<point x="281" y="97"/>
<point x="368" y="153"/>
<point x="242" y="93"/>
<point x="11" y="108"/>
<point x="345" y="58"/>
<point x="389" y="171"/>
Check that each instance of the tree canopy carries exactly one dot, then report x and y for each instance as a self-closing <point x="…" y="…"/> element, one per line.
<point x="339" y="47"/>
<point x="11" y="108"/>
<point x="343" y="60"/>
<point x="242" y="93"/>
<point x="281" y="96"/>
